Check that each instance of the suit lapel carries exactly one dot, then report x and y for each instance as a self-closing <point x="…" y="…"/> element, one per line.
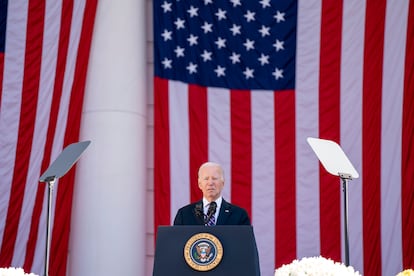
<point x="225" y="211"/>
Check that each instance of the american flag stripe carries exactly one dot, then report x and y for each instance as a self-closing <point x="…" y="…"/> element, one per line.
<point x="162" y="155"/>
<point x="219" y="145"/>
<point x="262" y="106"/>
<point x="178" y="110"/>
<point x="46" y="56"/>
<point x="197" y="97"/>
<point x="329" y="108"/>
<point x="391" y="117"/>
<point x="241" y="148"/>
<point x="407" y="148"/>
<point x="306" y="124"/>
<point x="285" y="176"/>
<point x="371" y="134"/>
<point x="351" y="114"/>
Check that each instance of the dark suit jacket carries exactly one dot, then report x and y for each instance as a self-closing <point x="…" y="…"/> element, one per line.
<point x="229" y="215"/>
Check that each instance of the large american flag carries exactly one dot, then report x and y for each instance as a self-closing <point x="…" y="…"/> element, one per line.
<point x="44" y="55"/>
<point x="244" y="83"/>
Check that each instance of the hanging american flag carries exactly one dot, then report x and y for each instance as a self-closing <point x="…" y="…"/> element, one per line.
<point x="44" y="56"/>
<point x="244" y="83"/>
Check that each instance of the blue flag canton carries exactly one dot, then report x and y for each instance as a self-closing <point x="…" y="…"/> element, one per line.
<point x="233" y="44"/>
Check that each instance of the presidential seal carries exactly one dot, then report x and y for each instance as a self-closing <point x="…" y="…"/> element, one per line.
<point x="203" y="251"/>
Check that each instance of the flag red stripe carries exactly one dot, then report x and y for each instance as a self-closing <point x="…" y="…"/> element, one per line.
<point x="198" y="136"/>
<point x="60" y="236"/>
<point x="34" y="227"/>
<point x="33" y="55"/>
<point x="162" y="174"/>
<point x="329" y="118"/>
<point x="285" y="178"/>
<point x="371" y="136"/>
<point x="407" y="162"/>
<point x="241" y="149"/>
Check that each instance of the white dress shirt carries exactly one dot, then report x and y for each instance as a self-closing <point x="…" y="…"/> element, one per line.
<point x="206" y="205"/>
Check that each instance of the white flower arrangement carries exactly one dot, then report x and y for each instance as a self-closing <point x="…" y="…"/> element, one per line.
<point x="12" y="271"/>
<point x="313" y="266"/>
<point x="407" y="272"/>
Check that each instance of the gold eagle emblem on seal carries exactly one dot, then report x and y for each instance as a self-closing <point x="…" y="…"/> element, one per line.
<point x="203" y="251"/>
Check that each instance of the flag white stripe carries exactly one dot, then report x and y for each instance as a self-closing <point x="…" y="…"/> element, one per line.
<point x="11" y="96"/>
<point x="179" y="146"/>
<point x="307" y="167"/>
<point x="263" y="174"/>
<point x="393" y="87"/>
<point x="219" y="133"/>
<point x="39" y="253"/>
<point x="351" y="120"/>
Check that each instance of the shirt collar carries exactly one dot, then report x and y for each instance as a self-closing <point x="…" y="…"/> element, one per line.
<point x="206" y="203"/>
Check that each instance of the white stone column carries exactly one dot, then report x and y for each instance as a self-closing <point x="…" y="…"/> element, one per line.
<point x="108" y="218"/>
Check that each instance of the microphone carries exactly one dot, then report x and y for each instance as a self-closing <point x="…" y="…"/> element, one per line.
<point x="198" y="210"/>
<point x="211" y="211"/>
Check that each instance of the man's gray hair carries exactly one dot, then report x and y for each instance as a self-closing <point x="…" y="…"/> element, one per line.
<point x="212" y="164"/>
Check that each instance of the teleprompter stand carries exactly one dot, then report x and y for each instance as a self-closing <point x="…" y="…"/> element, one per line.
<point x="335" y="162"/>
<point x="57" y="169"/>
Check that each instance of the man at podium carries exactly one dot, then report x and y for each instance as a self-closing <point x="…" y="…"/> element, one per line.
<point x="212" y="209"/>
<point x="191" y="249"/>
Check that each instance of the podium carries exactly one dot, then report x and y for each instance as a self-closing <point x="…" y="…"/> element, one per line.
<point x="232" y="249"/>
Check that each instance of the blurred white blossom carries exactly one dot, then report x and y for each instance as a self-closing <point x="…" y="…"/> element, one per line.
<point x="407" y="272"/>
<point x="11" y="271"/>
<point x="316" y="266"/>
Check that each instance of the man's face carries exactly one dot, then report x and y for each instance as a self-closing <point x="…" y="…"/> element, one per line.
<point x="210" y="182"/>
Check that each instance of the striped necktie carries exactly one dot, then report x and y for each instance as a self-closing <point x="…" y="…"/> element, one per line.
<point x="211" y="210"/>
